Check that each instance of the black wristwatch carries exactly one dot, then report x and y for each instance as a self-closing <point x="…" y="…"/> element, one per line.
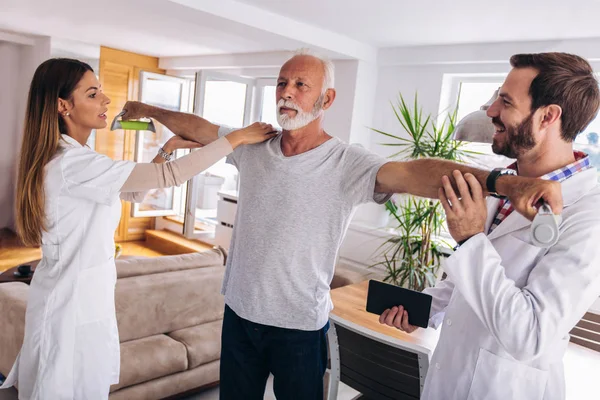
<point x="490" y="183"/>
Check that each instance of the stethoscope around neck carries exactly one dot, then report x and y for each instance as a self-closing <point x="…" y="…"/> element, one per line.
<point x="544" y="228"/>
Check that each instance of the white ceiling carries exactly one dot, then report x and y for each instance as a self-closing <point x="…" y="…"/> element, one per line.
<point x="343" y="28"/>
<point x="152" y="27"/>
<point x="384" y="23"/>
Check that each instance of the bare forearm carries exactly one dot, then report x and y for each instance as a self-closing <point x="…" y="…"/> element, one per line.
<point x="423" y="177"/>
<point x="188" y="126"/>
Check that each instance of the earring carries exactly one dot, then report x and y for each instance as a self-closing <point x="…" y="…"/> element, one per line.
<point x="66" y="114"/>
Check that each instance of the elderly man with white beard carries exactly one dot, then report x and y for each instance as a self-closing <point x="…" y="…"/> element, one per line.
<point x="297" y="194"/>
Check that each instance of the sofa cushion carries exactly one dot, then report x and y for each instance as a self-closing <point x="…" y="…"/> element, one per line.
<point x="136" y="266"/>
<point x="13" y="303"/>
<point x="150" y="358"/>
<point x="161" y="303"/>
<point x="170" y="385"/>
<point x="203" y="342"/>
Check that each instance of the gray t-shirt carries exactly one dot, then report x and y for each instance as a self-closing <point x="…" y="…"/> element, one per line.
<point x="292" y="215"/>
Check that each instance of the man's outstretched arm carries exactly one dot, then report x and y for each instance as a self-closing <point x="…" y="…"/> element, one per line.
<point x="424" y="178"/>
<point x="188" y="126"/>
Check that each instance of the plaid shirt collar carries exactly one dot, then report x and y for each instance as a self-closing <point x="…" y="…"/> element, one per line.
<point x="582" y="162"/>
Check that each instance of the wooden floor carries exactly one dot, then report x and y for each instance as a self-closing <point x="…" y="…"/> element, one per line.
<point x="173" y="243"/>
<point x="13" y="253"/>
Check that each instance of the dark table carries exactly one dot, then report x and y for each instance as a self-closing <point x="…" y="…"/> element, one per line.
<point x="9" y="274"/>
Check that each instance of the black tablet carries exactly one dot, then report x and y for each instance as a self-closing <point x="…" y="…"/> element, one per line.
<point x="382" y="296"/>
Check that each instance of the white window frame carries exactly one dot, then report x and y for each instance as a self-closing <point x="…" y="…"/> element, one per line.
<point x="451" y="88"/>
<point x="259" y="99"/>
<point x="139" y="143"/>
<point x="250" y="112"/>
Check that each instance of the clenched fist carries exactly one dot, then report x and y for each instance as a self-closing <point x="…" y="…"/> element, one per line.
<point x="135" y="110"/>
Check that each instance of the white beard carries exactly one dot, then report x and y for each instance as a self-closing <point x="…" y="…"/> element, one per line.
<point x="302" y="117"/>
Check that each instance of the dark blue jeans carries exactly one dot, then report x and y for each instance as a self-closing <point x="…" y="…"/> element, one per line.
<point x="249" y="352"/>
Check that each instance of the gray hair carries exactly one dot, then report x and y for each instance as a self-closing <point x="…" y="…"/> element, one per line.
<point x="328" y="67"/>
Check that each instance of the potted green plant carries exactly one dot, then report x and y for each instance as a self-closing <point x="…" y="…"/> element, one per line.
<point x="411" y="257"/>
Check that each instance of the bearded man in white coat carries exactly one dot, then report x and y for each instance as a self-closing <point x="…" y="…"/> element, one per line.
<point x="507" y="306"/>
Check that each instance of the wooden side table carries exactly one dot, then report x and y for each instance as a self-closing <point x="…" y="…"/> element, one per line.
<point x="9" y="274"/>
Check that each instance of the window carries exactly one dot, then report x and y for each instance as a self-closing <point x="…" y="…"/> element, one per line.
<point x="473" y="95"/>
<point x="171" y="93"/>
<point x="268" y="107"/>
<point x="224" y="100"/>
<point x="588" y="142"/>
<point x="473" y="91"/>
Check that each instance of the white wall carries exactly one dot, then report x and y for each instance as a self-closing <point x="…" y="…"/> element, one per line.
<point x="88" y="53"/>
<point x="352" y="112"/>
<point x="338" y="119"/>
<point x="9" y="72"/>
<point x="17" y="65"/>
<point x="364" y="102"/>
<point x="426" y="80"/>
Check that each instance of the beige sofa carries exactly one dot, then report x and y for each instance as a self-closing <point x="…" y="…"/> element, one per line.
<point x="169" y="313"/>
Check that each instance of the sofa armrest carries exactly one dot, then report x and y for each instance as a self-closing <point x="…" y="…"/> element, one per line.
<point x="13" y="303"/>
<point x="344" y="276"/>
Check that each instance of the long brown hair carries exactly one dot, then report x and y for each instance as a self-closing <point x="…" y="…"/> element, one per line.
<point x="55" y="78"/>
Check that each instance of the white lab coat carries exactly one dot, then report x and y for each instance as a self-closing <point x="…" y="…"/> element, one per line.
<point x="71" y="344"/>
<point x="509" y="306"/>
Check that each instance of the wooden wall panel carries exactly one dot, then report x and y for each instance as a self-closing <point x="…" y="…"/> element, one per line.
<point x="115" y="80"/>
<point x="120" y="78"/>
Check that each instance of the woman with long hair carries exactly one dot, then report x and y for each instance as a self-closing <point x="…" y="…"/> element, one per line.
<point x="68" y="202"/>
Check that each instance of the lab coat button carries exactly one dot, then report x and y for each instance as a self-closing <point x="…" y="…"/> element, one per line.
<point x="449" y="322"/>
<point x="437" y="365"/>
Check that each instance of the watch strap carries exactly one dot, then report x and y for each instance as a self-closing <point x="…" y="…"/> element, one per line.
<point x="164" y="154"/>
<point x="492" y="178"/>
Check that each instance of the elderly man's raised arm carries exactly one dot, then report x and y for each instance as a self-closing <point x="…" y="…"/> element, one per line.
<point x="188" y="126"/>
<point x="424" y="178"/>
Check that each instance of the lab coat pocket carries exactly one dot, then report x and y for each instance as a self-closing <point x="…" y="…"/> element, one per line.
<point x="95" y="293"/>
<point x="498" y="378"/>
